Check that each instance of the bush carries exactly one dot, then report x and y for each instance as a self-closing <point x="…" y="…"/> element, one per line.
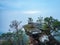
<point x="7" y="43"/>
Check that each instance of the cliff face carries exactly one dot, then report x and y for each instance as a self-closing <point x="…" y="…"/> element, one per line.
<point x="32" y="27"/>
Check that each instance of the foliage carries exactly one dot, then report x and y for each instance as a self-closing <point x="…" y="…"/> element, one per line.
<point x="56" y="24"/>
<point x="6" y="43"/>
<point x="18" y="33"/>
<point x="52" y="23"/>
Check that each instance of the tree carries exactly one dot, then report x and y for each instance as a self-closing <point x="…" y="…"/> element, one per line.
<point x="40" y="22"/>
<point x="50" y="24"/>
<point x="30" y="20"/>
<point x="14" y="24"/>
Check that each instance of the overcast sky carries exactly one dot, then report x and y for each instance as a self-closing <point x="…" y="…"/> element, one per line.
<point x="22" y="9"/>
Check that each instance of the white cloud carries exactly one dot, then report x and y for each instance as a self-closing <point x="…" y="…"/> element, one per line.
<point x="31" y="12"/>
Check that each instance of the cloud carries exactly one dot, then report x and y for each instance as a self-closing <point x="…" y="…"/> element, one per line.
<point x="31" y="12"/>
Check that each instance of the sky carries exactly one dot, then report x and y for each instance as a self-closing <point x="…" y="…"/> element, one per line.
<point x="21" y="10"/>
